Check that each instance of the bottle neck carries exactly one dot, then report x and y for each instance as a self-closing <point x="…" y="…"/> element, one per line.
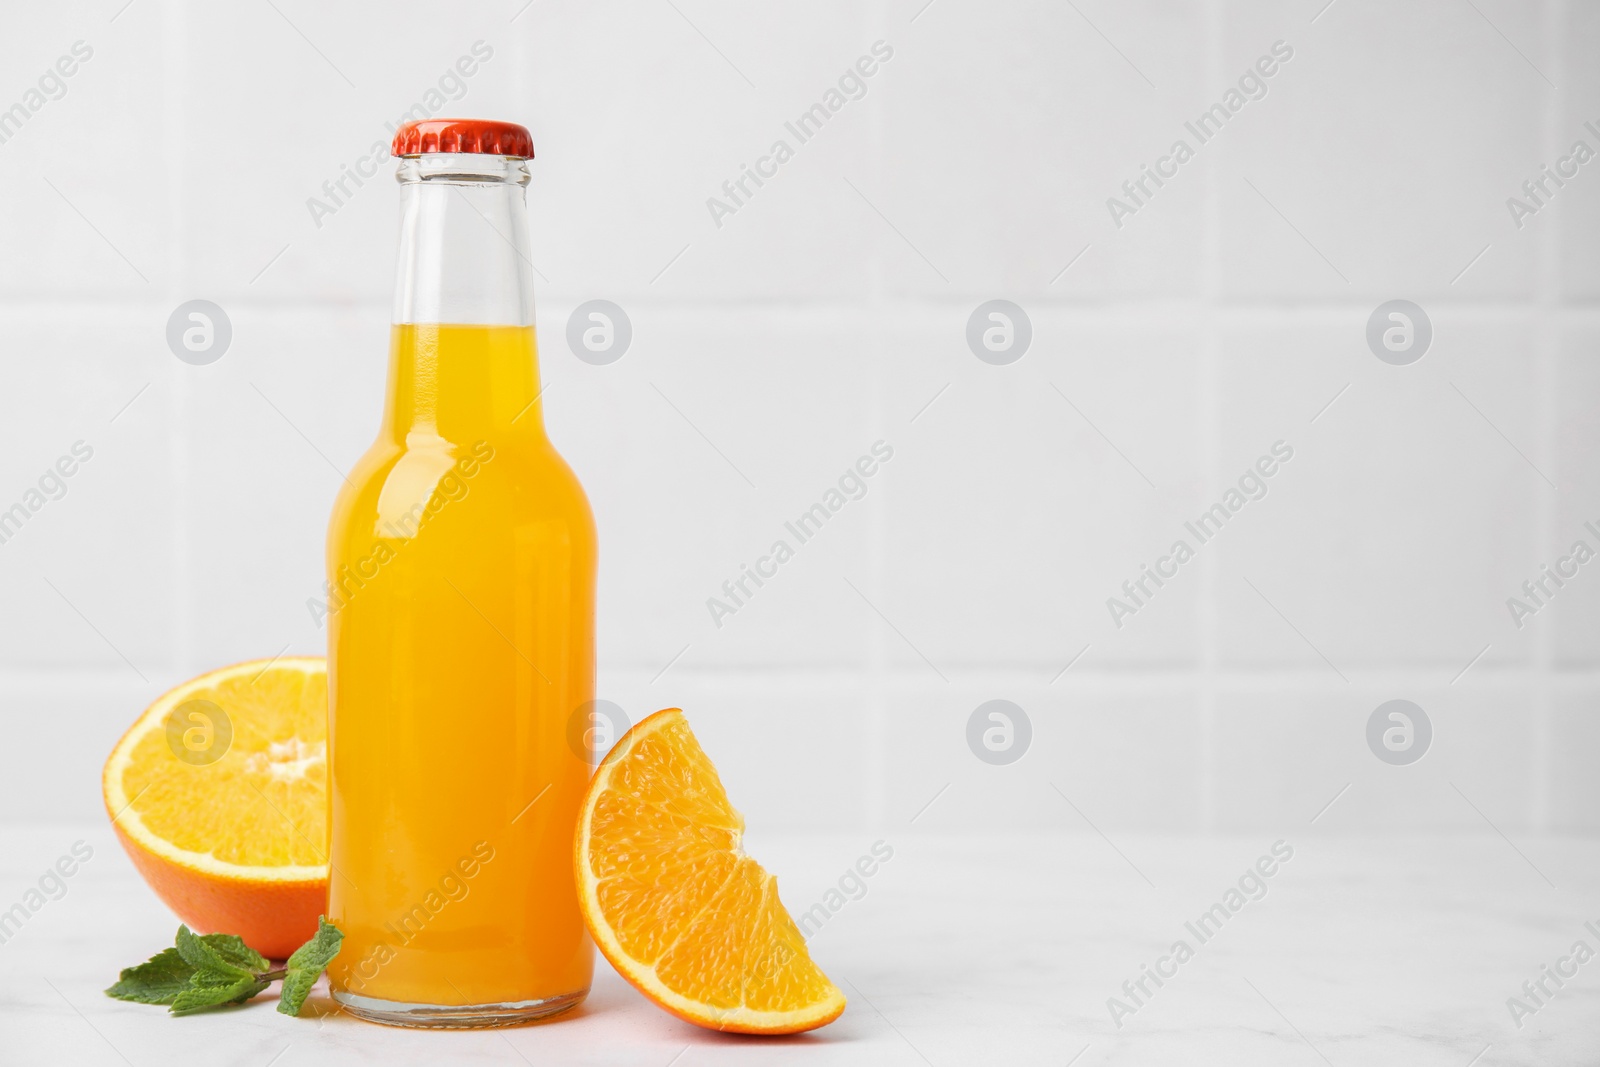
<point x="463" y="241"/>
<point x="463" y="366"/>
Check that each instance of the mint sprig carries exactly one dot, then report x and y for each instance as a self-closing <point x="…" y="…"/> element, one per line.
<point x="205" y="971"/>
<point x="307" y="965"/>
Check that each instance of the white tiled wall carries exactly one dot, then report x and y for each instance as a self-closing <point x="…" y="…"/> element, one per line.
<point x="828" y="313"/>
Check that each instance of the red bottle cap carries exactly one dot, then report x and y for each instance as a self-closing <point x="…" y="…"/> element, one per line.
<point x="479" y="136"/>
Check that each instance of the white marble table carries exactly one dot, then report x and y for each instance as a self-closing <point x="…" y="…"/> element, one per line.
<point x="1378" y="951"/>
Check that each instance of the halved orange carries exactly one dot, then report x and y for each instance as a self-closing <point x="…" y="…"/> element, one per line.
<point x="218" y="792"/>
<point x="673" y="901"/>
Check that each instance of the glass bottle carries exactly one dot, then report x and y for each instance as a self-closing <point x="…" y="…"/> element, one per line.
<point x="461" y="570"/>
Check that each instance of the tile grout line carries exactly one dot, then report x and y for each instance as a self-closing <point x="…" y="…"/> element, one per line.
<point x="912" y="307"/>
<point x="1137" y="681"/>
<point x="1209" y="430"/>
<point x="175" y="69"/>
<point x="1546" y="514"/>
<point x="876" y="806"/>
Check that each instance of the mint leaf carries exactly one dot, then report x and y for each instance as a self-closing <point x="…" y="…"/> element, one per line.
<point x="206" y="959"/>
<point x="156" y="981"/>
<point x="307" y="965"/>
<point x="214" y="991"/>
<point x="233" y="949"/>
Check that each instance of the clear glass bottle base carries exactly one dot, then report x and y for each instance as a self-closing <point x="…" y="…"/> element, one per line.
<point x="455" y="1016"/>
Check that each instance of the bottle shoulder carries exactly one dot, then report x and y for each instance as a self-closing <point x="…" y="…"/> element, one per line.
<point x="523" y="479"/>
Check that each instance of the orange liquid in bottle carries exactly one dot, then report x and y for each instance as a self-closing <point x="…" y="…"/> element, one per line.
<point x="462" y="559"/>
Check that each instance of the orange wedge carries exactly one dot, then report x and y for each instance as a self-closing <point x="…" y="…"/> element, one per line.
<point x="219" y="795"/>
<point x="673" y="901"/>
